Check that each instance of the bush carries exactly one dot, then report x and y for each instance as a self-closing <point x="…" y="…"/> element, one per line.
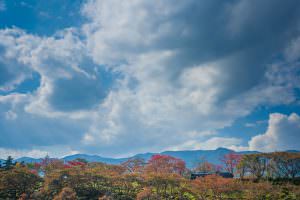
<point x="66" y="194"/>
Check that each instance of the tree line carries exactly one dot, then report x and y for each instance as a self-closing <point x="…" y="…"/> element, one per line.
<point x="258" y="176"/>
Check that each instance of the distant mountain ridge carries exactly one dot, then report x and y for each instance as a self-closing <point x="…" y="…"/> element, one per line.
<point x="95" y="158"/>
<point x="191" y="157"/>
<point x="28" y="160"/>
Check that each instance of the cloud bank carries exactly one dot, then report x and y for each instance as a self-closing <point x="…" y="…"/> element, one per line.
<point x="142" y="76"/>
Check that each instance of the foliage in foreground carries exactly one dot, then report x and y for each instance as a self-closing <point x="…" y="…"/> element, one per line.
<point x="163" y="177"/>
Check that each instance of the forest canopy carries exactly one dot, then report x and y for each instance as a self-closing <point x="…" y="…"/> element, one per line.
<point x="257" y="176"/>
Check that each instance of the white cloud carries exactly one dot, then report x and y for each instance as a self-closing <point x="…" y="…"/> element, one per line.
<point x="37" y="152"/>
<point x="256" y="123"/>
<point x="10" y="115"/>
<point x="173" y="86"/>
<point x="210" y="144"/>
<point x="283" y="133"/>
<point x="4" y="153"/>
<point x="293" y="50"/>
<point x="176" y="75"/>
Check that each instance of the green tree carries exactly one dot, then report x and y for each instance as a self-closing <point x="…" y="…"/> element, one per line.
<point x="17" y="181"/>
<point x="256" y="164"/>
<point x="8" y="163"/>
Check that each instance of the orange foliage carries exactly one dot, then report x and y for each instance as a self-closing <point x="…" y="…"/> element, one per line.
<point x="146" y="193"/>
<point x="165" y="164"/>
<point x="213" y="186"/>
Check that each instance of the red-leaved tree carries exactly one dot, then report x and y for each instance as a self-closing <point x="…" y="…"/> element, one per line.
<point x="165" y="164"/>
<point x="231" y="161"/>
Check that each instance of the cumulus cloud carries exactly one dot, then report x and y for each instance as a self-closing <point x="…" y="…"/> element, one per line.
<point x="147" y="76"/>
<point x="38" y="119"/>
<point x="12" y="72"/>
<point x="62" y="63"/>
<point x="193" y="35"/>
<point x="282" y="133"/>
<point x="181" y="73"/>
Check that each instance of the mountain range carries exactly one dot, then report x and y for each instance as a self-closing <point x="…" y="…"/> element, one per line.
<point x="190" y="157"/>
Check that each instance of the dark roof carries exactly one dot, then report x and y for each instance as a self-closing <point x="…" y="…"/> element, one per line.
<point x="203" y="174"/>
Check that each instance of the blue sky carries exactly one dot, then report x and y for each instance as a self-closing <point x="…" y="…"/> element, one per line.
<point x="116" y="78"/>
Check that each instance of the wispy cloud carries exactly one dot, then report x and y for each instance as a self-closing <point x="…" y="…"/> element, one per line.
<point x="256" y="123"/>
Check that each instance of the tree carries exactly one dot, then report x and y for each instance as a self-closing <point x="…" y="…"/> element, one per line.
<point x="241" y="168"/>
<point x="146" y="193"/>
<point x="204" y="166"/>
<point x="81" y="160"/>
<point x="134" y="165"/>
<point x="17" y="181"/>
<point x="164" y="174"/>
<point x="231" y="161"/>
<point x="255" y="164"/>
<point x="66" y="194"/>
<point x="8" y="163"/>
<point x="164" y="185"/>
<point x="46" y="160"/>
<point x="213" y="187"/>
<point x="165" y="164"/>
<point x="49" y="164"/>
<point x="286" y="164"/>
<point x="75" y="163"/>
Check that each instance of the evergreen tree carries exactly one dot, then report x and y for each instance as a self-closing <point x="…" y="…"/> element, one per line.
<point x="8" y="163"/>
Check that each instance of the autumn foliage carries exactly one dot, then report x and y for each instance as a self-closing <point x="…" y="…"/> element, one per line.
<point x="164" y="164"/>
<point x="231" y="161"/>
<point x="264" y="176"/>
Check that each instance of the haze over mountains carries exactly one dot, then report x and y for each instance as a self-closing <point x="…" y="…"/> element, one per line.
<point x="191" y="157"/>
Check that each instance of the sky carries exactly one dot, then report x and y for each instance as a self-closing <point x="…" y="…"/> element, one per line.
<point x="116" y="78"/>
